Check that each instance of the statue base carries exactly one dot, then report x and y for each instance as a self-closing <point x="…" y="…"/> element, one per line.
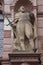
<point x="24" y="58"/>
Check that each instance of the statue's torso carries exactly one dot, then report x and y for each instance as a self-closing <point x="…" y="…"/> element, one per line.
<point x="23" y="25"/>
<point x="22" y="17"/>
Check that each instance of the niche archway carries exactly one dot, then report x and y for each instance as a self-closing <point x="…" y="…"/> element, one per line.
<point x="26" y="3"/>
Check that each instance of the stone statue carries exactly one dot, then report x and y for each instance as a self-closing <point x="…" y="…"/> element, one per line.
<point x="26" y="30"/>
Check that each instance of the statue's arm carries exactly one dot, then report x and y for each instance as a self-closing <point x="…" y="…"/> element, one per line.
<point x="34" y="24"/>
<point x="14" y="22"/>
<point x="32" y="18"/>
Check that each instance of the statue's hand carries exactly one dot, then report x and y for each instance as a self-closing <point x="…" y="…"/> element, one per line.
<point x="34" y="38"/>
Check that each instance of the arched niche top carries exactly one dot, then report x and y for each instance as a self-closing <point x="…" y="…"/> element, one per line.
<point x="1" y="2"/>
<point x="26" y="3"/>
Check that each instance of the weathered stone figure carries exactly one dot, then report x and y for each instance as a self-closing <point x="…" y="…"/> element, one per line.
<point x="24" y="31"/>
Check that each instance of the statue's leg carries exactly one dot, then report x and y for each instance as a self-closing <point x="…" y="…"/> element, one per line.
<point x="28" y="30"/>
<point x="20" y="35"/>
<point x="15" y="47"/>
<point x="31" y="42"/>
<point x="22" y="43"/>
<point x="29" y="33"/>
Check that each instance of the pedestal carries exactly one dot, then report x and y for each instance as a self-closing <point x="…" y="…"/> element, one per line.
<point x="24" y="58"/>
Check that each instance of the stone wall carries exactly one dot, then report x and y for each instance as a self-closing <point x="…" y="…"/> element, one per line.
<point x="40" y="23"/>
<point x="7" y="48"/>
<point x="40" y="26"/>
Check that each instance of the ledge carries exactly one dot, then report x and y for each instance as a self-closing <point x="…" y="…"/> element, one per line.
<point x="23" y="57"/>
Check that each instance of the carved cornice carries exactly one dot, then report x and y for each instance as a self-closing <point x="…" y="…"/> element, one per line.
<point x="40" y="14"/>
<point x="25" y="3"/>
<point x="18" y="3"/>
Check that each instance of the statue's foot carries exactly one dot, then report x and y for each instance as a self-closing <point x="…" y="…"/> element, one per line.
<point x="16" y="48"/>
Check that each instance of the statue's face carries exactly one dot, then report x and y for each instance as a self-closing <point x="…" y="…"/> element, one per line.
<point x="22" y="9"/>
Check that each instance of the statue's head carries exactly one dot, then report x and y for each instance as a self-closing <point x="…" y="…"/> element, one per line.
<point x="22" y="9"/>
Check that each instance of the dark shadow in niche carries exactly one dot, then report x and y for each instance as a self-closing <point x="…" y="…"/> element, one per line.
<point x="1" y="16"/>
<point x="0" y="7"/>
<point x="0" y="11"/>
<point x="0" y="3"/>
<point x="0" y="63"/>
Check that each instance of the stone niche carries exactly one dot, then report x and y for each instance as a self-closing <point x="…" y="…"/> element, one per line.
<point x="24" y="58"/>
